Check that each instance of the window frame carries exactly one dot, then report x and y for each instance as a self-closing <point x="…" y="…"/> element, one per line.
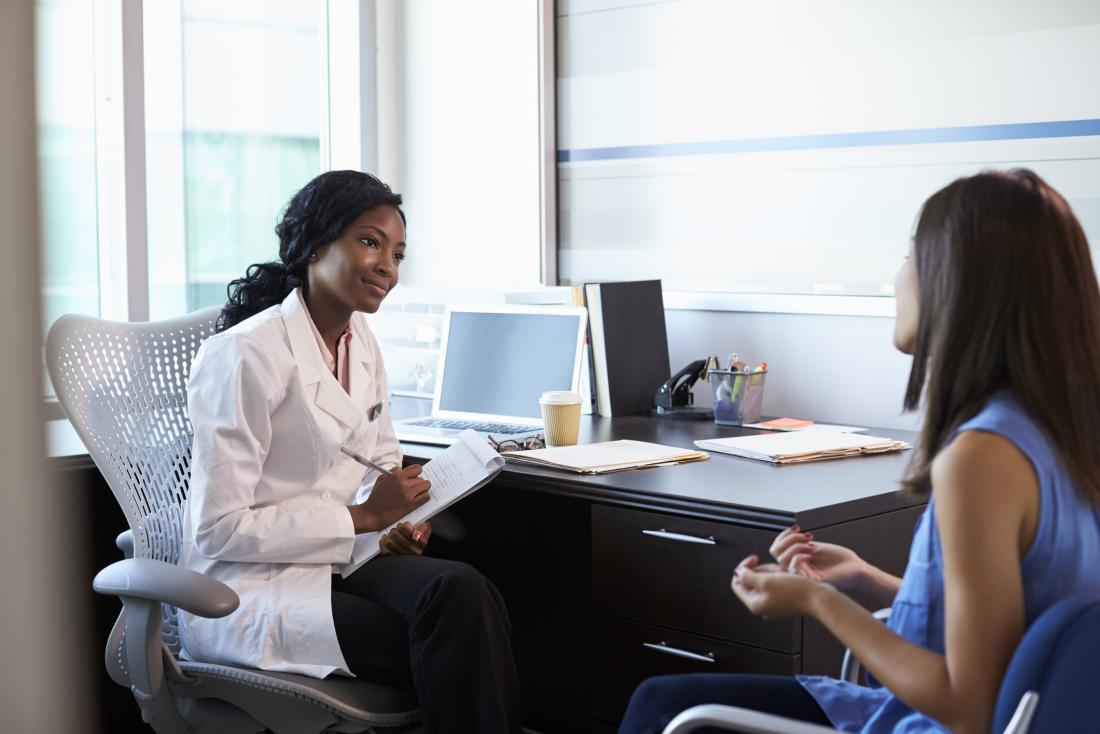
<point x="348" y="133"/>
<point x="355" y="56"/>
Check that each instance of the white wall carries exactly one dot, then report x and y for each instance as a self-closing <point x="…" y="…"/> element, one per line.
<point x="459" y="138"/>
<point x="789" y="145"/>
<point x="40" y="613"/>
<point x="834" y="369"/>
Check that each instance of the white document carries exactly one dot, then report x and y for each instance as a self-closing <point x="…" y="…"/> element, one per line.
<point x="468" y="465"/>
<point x="799" y="446"/>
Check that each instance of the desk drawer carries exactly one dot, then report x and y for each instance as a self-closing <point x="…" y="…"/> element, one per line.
<point x="676" y="572"/>
<point x="625" y="653"/>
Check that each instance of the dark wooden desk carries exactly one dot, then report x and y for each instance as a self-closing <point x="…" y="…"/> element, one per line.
<point x="587" y="590"/>
<point x="610" y="579"/>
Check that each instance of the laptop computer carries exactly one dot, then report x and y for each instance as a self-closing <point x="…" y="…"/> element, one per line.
<point x="495" y="362"/>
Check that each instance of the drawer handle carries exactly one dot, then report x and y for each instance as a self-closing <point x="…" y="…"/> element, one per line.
<point x="662" y="533"/>
<point x="668" y="650"/>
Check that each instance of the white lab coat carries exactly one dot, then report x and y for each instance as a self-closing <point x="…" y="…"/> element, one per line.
<point x="267" y="510"/>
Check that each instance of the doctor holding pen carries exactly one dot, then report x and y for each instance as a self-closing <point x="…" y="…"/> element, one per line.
<point x="293" y="376"/>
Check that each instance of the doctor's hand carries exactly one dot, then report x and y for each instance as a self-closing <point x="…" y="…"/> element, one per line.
<point x="406" y="539"/>
<point x="392" y="497"/>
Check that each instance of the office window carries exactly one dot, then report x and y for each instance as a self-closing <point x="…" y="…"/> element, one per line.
<point x="67" y="156"/>
<point x="778" y="148"/>
<point x="467" y="143"/>
<point x="234" y="112"/>
<point x="458" y="136"/>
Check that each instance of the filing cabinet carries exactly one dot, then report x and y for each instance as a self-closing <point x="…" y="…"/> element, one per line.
<point x="675" y="572"/>
<point x="662" y="604"/>
<point x="626" y="652"/>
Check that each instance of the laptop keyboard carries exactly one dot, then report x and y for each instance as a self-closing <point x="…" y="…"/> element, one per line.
<point x="501" y="428"/>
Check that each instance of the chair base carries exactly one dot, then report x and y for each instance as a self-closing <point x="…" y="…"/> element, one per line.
<point x="220" y="698"/>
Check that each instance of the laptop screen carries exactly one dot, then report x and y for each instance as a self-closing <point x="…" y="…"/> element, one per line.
<point x="500" y="363"/>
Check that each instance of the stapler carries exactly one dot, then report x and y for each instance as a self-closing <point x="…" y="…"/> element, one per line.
<point x="674" y="399"/>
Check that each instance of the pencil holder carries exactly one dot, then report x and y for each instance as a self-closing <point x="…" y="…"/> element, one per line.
<point x="737" y="396"/>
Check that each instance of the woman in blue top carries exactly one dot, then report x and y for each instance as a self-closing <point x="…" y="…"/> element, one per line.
<point x="999" y="306"/>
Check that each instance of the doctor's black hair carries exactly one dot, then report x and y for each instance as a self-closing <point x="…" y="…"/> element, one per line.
<point x="314" y="217"/>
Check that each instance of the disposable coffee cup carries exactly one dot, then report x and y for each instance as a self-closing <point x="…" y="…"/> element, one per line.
<point x="561" y="417"/>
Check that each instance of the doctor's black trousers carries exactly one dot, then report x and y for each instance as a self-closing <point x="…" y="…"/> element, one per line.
<point x="438" y="627"/>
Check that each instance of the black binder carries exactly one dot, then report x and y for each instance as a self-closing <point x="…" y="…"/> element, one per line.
<point x="626" y="324"/>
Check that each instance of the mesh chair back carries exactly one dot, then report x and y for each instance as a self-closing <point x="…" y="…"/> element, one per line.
<point x="1057" y="658"/>
<point x="124" y="388"/>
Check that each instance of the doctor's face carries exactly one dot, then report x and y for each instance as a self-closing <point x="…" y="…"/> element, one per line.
<point x="360" y="268"/>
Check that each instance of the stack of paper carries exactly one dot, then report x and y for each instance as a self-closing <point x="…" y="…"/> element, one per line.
<point x="798" y="446"/>
<point x="606" y="457"/>
<point x="465" y="467"/>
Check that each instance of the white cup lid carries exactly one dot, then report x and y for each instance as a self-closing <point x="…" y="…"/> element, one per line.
<point x="559" y="397"/>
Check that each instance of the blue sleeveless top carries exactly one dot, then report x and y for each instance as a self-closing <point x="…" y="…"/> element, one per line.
<point x="1062" y="560"/>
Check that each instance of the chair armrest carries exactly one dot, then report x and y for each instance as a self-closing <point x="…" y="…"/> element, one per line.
<point x="144" y="585"/>
<point x="144" y="578"/>
<point x="732" y="718"/>
<point x="850" y="667"/>
<point x="125" y="543"/>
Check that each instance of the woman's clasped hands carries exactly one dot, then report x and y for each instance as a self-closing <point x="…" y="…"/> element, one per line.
<point x="783" y="589"/>
<point x="833" y="564"/>
<point x="769" y="590"/>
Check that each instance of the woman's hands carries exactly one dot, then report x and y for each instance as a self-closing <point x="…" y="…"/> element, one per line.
<point x="769" y="591"/>
<point x="785" y="588"/>
<point x="833" y="564"/>
<point x="406" y="539"/>
<point x="394" y="495"/>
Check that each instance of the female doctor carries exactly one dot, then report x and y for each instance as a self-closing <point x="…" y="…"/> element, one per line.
<point x="294" y="374"/>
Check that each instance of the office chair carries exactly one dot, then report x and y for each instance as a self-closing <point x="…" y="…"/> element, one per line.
<point x="124" y="388"/>
<point x="1049" y="687"/>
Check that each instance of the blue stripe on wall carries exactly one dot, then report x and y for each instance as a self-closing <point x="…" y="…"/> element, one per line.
<point x="917" y="136"/>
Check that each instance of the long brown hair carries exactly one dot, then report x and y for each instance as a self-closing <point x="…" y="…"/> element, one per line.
<point x="1008" y="300"/>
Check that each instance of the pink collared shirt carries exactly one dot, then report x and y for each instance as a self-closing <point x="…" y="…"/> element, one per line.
<point x="338" y="364"/>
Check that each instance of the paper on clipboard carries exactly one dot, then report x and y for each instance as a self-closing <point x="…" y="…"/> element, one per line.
<point x="468" y="465"/>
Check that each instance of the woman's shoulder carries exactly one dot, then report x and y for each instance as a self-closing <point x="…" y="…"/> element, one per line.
<point x="984" y="477"/>
<point x="977" y="451"/>
<point x="258" y="340"/>
<point x="1001" y="433"/>
<point x="258" y="325"/>
<point x="1006" y="416"/>
<point x="995" y="455"/>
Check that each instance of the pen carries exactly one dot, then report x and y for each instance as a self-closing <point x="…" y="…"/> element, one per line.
<point x="365" y="461"/>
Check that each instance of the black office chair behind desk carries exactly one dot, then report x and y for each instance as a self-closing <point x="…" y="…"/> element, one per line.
<point x="123" y="386"/>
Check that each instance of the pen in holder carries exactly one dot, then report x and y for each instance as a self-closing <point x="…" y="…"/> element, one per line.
<point x="737" y="396"/>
